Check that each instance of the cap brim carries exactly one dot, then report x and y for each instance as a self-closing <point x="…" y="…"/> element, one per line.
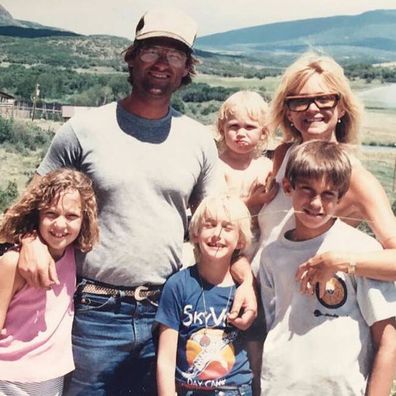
<point x="163" y="34"/>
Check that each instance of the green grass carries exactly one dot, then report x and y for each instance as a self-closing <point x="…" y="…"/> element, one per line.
<point x="379" y="126"/>
<point x="267" y="84"/>
<point x="18" y="168"/>
<point x="383" y="166"/>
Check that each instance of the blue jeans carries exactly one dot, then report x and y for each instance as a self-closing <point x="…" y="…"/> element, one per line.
<point x="242" y="390"/>
<point x="113" y="347"/>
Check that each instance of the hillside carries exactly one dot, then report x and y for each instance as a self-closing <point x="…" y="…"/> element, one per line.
<point x="18" y="28"/>
<point x="366" y="37"/>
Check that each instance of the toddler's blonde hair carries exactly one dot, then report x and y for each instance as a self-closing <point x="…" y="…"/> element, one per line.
<point x="254" y="106"/>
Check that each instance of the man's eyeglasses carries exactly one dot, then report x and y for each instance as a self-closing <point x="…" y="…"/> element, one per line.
<point x="302" y="103"/>
<point x="174" y="57"/>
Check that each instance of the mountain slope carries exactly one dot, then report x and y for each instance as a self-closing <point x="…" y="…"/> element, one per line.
<point x="373" y="31"/>
<point x="18" y="28"/>
<point x="6" y="18"/>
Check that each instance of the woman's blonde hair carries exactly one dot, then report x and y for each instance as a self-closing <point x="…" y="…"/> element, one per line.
<point x="250" y="103"/>
<point x="23" y="217"/>
<point x="295" y="77"/>
<point x="231" y="207"/>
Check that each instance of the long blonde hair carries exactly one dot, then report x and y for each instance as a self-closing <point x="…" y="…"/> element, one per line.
<point x="295" y="77"/>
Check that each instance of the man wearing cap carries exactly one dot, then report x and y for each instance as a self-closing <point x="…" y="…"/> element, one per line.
<point x="148" y="163"/>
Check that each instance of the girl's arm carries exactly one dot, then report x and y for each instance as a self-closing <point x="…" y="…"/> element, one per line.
<point x="384" y="367"/>
<point x="10" y="282"/>
<point x="166" y="361"/>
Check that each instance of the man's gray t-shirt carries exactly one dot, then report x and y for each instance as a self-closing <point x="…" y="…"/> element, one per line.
<point x="144" y="175"/>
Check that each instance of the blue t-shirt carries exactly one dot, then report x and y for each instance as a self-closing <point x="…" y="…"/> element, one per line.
<point x="209" y="352"/>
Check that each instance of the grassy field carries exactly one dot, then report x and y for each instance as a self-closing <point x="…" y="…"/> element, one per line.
<point x="383" y="166"/>
<point x="379" y="127"/>
<point x="16" y="167"/>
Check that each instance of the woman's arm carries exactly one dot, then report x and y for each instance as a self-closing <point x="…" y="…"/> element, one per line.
<point x="166" y="361"/>
<point x="384" y="367"/>
<point x="279" y="156"/>
<point x="369" y="197"/>
<point x="10" y="282"/>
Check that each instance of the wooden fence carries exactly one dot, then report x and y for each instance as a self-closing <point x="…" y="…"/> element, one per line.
<point x="27" y="110"/>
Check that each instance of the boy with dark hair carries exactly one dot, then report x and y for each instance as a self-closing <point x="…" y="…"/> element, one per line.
<point x="337" y="341"/>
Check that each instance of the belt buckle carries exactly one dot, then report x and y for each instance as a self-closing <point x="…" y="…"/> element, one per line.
<point x="137" y="295"/>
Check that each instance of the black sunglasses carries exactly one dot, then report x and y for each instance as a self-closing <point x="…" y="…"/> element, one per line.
<point x="322" y="102"/>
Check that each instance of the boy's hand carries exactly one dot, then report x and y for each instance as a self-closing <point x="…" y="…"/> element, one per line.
<point x="244" y="308"/>
<point x="35" y="263"/>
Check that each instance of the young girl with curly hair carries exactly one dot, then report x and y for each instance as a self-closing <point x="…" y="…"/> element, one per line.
<point x="35" y="324"/>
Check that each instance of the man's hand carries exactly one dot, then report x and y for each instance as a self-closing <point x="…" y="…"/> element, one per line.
<point x="244" y="308"/>
<point x="35" y="263"/>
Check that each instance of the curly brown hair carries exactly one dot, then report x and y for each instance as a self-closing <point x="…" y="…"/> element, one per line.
<point x="23" y="216"/>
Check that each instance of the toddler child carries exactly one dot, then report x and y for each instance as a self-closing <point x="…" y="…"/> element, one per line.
<point x="338" y="341"/>
<point x="199" y="352"/>
<point x="35" y="338"/>
<point x="243" y="135"/>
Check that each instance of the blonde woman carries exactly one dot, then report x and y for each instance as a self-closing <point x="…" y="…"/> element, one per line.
<point x="314" y="101"/>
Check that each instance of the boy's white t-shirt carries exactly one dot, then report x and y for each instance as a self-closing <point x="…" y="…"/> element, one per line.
<point x="318" y="347"/>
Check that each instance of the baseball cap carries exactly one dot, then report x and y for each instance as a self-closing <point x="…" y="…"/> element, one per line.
<point x="167" y="22"/>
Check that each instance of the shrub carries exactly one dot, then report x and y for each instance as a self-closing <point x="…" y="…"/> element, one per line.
<point x="9" y="194"/>
<point x="22" y="137"/>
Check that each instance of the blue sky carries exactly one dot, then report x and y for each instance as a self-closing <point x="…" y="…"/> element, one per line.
<point x="119" y="17"/>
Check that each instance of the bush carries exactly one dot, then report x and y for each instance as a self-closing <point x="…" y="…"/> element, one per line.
<point x="5" y="130"/>
<point x="8" y="195"/>
<point x="22" y="137"/>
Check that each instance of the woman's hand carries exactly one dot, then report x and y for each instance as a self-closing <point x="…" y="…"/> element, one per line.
<point x="321" y="268"/>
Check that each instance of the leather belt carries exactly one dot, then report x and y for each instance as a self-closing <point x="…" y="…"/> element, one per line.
<point x="139" y="293"/>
